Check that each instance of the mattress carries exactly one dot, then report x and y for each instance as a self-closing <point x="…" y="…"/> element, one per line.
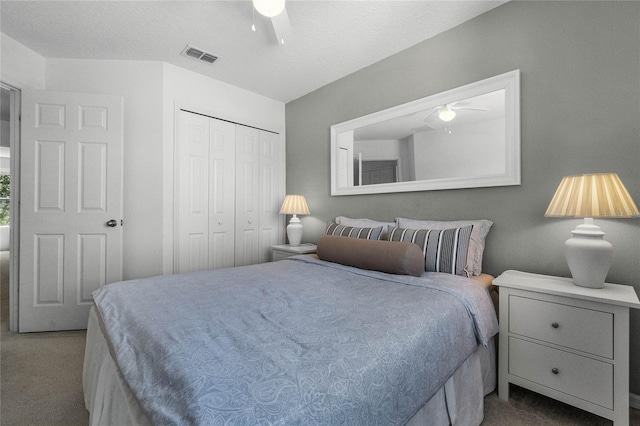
<point x="110" y="401"/>
<point x="361" y="344"/>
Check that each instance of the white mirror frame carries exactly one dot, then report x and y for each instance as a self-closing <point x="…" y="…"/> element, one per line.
<point x="510" y="82"/>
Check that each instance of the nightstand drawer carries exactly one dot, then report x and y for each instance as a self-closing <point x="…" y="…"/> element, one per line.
<point x="581" y="329"/>
<point x="575" y="375"/>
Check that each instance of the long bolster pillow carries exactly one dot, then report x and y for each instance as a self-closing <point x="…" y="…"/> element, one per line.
<point x="393" y="257"/>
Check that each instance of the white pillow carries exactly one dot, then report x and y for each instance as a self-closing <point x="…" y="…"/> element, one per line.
<point x="479" y="233"/>
<point x="364" y="223"/>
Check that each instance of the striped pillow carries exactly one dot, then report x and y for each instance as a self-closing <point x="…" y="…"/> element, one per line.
<point x="354" y="232"/>
<point x="445" y="250"/>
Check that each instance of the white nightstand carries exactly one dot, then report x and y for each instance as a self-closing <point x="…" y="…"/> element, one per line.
<point x="285" y="250"/>
<point x="567" y="342"/>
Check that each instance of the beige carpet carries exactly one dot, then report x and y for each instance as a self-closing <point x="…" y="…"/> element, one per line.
<point x="41" y="375"/>
<point x="526" y="408"/>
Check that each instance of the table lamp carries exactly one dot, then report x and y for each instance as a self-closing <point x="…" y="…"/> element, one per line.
<point x="295" y="205"/>
<point x="599" y="195"/>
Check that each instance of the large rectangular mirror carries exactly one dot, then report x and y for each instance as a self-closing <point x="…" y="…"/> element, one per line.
<point x="465" y="137"/>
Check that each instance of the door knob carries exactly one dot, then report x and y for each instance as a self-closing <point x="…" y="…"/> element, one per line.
<point x="112" y="223"/>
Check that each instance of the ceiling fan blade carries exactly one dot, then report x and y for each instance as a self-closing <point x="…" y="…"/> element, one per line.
<point x="282" y="27"/>
<point x="422" y="128"/>
<point x="430" y="115"/>
<point x="471" y="108"/>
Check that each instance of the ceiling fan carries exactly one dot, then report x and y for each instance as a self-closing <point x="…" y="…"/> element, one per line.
<point x="275" y="10"/>
<point x="447" y="112"/>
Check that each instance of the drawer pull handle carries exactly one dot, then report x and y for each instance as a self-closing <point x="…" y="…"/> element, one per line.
<point x="555" y="325"/>
<point x="554" y="370"/>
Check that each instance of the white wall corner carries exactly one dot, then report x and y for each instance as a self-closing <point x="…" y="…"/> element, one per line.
<point x="21" y="67"/>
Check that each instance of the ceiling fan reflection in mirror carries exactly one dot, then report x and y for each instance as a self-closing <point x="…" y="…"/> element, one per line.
<point x="447" y="112"/>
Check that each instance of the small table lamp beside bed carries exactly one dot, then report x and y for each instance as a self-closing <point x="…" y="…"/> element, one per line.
<point x="359" y="334"/>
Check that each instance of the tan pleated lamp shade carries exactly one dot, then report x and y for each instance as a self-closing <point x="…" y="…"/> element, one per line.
<point x="595" y="195"/>
<point x="294" y="204"/>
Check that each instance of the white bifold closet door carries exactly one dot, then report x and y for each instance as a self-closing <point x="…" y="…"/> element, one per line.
<point x="206" y="193"/>
<point x="259" y="193"/>
<point x="229" y="188"/>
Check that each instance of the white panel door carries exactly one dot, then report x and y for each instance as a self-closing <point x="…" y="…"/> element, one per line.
<point x="345" y="160"/>
<point x="271" y="194"/>
<point x="193" y="193"/>
<point x="247" y="195"/>
<point x="222" y="195"/>
<point x="71" y="206"/>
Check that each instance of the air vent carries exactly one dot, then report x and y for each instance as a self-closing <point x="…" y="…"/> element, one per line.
<point x="199" y="54"/>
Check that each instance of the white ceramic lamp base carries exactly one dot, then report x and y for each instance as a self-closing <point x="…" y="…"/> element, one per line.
<point x="588" y="255"/>
<point x="294" y="231"/>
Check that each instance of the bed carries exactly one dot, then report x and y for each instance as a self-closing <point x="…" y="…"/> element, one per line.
<point x="302" y="341"/>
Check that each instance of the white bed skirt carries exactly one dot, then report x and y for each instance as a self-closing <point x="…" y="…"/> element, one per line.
<point x="110" y="401"/>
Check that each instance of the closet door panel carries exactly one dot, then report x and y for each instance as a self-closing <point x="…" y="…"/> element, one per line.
<point x="193" y="193"/>
<point x="271" y="193"/>
<point x="247" y="195"/>
<point x="222" y="194"/>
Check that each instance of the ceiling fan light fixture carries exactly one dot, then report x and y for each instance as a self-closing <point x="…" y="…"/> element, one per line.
<point x="269" y="8"/>
<point x="446" y="114"/>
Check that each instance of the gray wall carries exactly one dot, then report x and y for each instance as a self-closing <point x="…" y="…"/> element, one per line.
<point x="580" y="108"/>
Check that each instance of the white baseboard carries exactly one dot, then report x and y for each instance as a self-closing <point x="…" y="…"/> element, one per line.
<point x="634" y="400"/>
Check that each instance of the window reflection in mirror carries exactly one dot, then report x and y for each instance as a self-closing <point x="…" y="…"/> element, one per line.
<point x="461" y="138"/>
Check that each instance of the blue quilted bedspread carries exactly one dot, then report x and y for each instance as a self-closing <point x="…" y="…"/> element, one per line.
<point x="300" y="341"/>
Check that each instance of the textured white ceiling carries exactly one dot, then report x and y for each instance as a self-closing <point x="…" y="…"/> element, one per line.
<point x="330" y="39"/>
